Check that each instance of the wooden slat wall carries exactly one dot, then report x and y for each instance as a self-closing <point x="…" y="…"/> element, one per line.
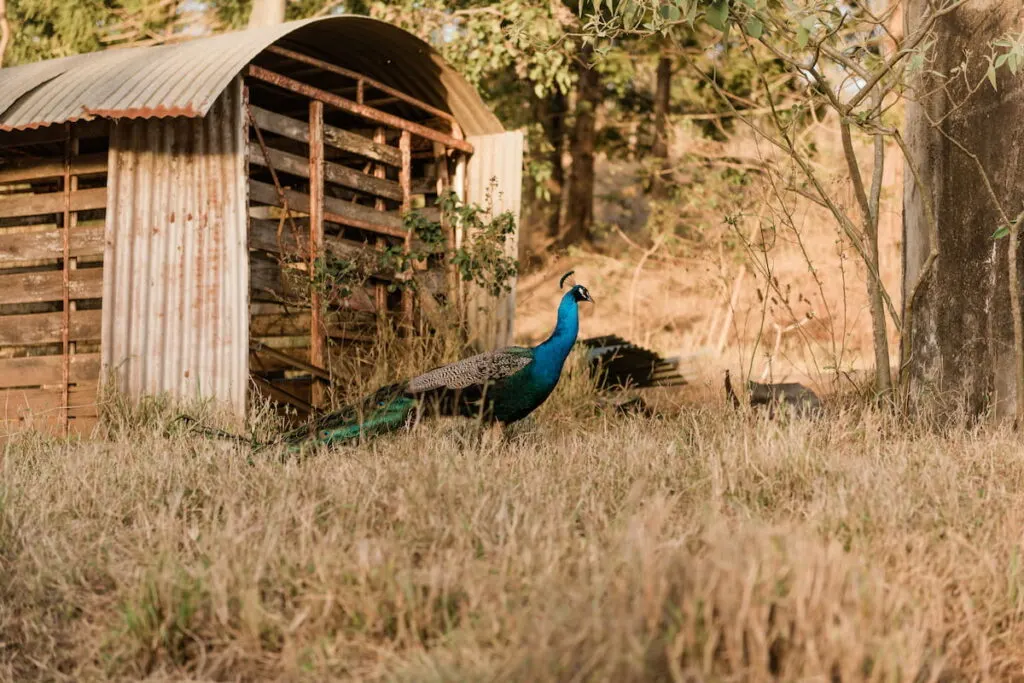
<point x="32" y="280"/>
<point x="368" y="185"/>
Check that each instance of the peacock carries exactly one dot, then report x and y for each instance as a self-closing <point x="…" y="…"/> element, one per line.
<point x="620" y="364"/>
<point x="501" y="386"/>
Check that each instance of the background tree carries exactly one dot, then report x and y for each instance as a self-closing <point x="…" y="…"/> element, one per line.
<point x="963" y="134"/>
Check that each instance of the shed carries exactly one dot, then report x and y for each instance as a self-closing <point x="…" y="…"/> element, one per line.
<point x="157" y="205"/>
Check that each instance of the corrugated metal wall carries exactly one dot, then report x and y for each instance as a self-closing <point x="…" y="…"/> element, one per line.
<point x="176" y="274"/>
<point x="499" y="158"/>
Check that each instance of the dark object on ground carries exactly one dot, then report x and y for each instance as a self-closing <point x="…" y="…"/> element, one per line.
<point x="619" y="364"/>
<point x="800" y="400"/>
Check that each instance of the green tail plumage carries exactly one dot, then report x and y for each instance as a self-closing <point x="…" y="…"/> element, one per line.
<point x="386" y="410"/>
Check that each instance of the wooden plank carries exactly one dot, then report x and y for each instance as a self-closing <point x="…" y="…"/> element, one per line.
<point x="333" y="173"/>
<point x="52" y="202"/>
<point x="281" y="395"/>
<point x="335" y="210"/>
<point x="48" y="403"/>
<point x="44" y="370"/>
<point x="362" y="81"/>
<point x="18" y="247"/>
<point x="362" y="110"/>
<point x="37" y="168"/>
<point x="45" y="328"/>
<point x="334" y="137"/>
<point x="266" y="281"/>
<point x="25" y="288"/>
<point x="263" y="235"/>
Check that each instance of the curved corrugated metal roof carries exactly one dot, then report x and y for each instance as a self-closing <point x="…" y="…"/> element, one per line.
<point x="186" y="78"/>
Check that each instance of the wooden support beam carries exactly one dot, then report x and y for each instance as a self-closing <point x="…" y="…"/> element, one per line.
<point x="294" y="129"/>
<point x="317" y="338"/>
<point x="361" y="110"/>
<point x="361" y="80"/>
<point x="405" y="180"/>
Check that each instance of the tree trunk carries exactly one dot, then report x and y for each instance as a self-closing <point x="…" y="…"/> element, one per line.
<point x="958" y="311"/>
<point x="542" y="214"/>
<point x="580" y="215"/>
<point x="266" y="13"/>
<point x="659" y="150"/>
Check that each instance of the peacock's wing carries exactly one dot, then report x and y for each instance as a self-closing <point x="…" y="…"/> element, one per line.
<point x="476" y="371"/>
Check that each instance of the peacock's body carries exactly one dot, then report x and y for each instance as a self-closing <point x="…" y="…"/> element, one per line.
<point x="503" y="386"/>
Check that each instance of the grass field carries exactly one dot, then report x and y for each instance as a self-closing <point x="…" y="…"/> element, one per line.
<point x="707" y="545"/>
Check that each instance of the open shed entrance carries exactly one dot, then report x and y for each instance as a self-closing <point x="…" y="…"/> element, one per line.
<point x="52" y="208"/>
<point x="332" y="170"/>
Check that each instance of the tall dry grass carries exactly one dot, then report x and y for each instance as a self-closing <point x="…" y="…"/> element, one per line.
<point x="704" y="545"/>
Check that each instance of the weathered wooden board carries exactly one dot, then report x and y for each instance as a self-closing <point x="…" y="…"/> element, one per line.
<point x="47" y="403"/>
<point x="46" y="370"/>
<point x="333" y="173"/>
<point x="334" y="137"/>
<point x="38" y="168"/>
<point x="52" y="202"/>
<point x="45" y="328"/>
<point x="336" y="210"/>
<point x="19" y="247"/>
<point x="84" y="283"/>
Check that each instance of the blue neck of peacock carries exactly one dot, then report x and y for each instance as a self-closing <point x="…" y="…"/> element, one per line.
<point x="549" y="356"/>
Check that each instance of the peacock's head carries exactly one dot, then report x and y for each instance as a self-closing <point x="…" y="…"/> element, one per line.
<point x="578" y="292"/>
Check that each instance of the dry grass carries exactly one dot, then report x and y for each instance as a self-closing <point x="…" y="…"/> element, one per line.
<point x="706" y="545"/>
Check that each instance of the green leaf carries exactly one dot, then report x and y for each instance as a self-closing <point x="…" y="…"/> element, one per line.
<point x="670" y="12"/>
<point x="1001" y="232"/>
<point x="1001" y="59"/>
<point x="717" y="15"/>
<point x="991" y="73"/>
<point x="802" y="36"/>
<point x="754" y="27"/>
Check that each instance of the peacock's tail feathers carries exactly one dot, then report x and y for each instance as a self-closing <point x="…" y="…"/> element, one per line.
<point x="385" y="410"/>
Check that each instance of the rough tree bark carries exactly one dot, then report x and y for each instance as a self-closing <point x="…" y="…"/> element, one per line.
<point x="969" y="161"/>
<point x="662" y="96"/>
<point x="266" y="13"/>
<point x="580" y="214"/>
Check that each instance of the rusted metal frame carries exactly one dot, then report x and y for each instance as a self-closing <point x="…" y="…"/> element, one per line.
<point x="361" y="110"/>
<point x="317" y="338"/>
<point x="256" y="346"/>
<point x="361" y="80"/>
<point x="405" y="180"/>
<point x="360" y="91"/>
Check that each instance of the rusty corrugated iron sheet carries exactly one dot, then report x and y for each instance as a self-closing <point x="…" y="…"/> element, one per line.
<point x="176" y="264"/>
<point x="495" y="174"/>
<point x="186" y="78"/>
